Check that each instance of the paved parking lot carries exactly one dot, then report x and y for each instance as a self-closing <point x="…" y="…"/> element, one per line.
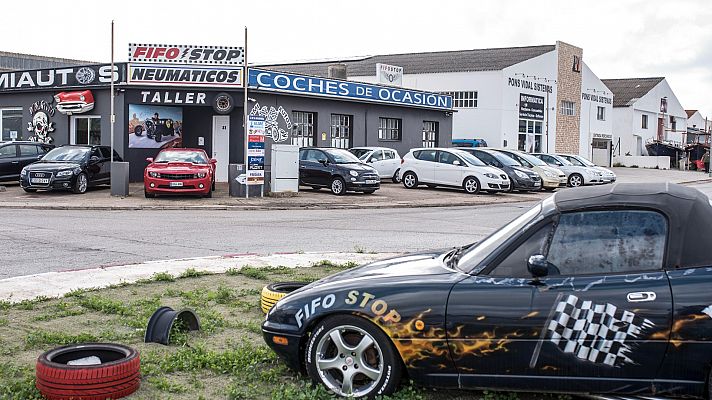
<point x="390" y="195"/>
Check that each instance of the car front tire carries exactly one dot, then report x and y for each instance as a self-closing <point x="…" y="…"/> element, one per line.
<point x="575" y="180"/>
<point x="410" y="180"/>
<point x="396" y="176"/>
<point x="352" y="358"/>
<point x="471" y="185"/>
<point x="81" y="184"/>
<point x="149" y="195"/>
<point x="338" y="186"/>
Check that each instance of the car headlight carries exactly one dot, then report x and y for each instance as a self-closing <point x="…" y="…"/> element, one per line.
<point x="23" y="172"/>
<point x="491" y="175"/>
<point x="353" y="173"/>
<point x="153" y="174"/>
<point x="521" y="174"/>
<point x="67" y="172"/>
<point x="200" y="175"/>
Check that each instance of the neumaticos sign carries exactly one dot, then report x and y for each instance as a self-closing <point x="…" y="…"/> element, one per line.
<point x="281" y="82"/>
<point x="80" y="76"/>
<point x="174" y="75"/>
<point x="186" y="54"/>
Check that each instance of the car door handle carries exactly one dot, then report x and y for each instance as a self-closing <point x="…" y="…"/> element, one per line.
<point x="14" y="162"/>
<point x="638" y="297"/>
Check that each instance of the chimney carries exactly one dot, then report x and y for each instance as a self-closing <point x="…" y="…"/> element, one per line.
<point x="337" y="71"/>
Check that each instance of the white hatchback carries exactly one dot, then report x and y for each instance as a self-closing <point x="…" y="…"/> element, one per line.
<point x="450" y="167"/>
<point x="385" y="160"/>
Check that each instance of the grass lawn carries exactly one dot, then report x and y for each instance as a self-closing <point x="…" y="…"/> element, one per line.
<point x="227" y="359"/>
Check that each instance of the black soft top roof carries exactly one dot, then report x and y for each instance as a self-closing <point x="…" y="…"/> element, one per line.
<point x="688" y="211"/>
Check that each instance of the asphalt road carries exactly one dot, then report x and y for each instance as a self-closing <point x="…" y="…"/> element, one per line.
<point x="35" y="241"/>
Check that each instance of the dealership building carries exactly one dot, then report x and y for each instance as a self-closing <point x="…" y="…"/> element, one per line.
<point x="159" y="105"/>
<point x="537" y="98"/>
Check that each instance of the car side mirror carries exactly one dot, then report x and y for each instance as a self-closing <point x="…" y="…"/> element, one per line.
<point x="323" y="161"/>
<point x="213" y="161"/>
<point x="456" y="162"/>
<point x="149" y="160"/>
<point x="94" y="160"/>
<point x="538" y="266"/>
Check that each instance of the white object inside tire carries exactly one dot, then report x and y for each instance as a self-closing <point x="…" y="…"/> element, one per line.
<point x="91" y="360"/>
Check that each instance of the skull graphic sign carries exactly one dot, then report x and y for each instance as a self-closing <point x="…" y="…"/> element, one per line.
<point x="41" y="126"/>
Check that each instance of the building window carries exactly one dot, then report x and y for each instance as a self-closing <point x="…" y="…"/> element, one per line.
<point x="389" y="129"/>
<point x="430" y="134"/>
<point x="673" y="123"/>
<point x="87" y="130"/>
<point x="601" y="114"/>
<point x="463" y="99"/>
<point x="11" y="124"/>
<point x="530" y="136"/>
<point x="568" y="108"/>
<point x="644" y="122"/>
<point x="303" y="128"/>
<point x="341" y="131"/>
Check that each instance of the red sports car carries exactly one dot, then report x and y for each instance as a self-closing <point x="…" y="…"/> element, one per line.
<point x="178" y="171"/>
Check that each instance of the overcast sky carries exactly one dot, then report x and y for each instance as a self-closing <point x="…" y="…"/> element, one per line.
<point x="620" y="38"/>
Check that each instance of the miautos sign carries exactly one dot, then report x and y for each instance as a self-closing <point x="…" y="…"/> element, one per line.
<point x="81" y="76"/>
<point x="187" y="75"/>
<point x="185" y="54"/>
<point x="298" y="84"/>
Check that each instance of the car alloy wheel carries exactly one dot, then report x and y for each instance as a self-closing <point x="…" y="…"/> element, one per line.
<point x="471" y="185"/>
<point x="338" y="187"/>
<point x="396" y="176"/>
<point x="81" y="184"/>
<point x="352" y="358"/>
<point x="575" y="180"/>
<point x="410" y="180"/>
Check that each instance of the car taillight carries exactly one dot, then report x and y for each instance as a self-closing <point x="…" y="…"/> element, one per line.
<point x="402" y="161"/>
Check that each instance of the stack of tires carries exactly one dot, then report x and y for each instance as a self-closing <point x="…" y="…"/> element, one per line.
<point x="274" y="292"/>
<point x="92" y="371"/>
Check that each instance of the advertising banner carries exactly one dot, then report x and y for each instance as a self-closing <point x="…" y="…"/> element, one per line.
<point x="183" y="75"/>
<point x="290" y="83"/>
<point x="531" y="107"/>
<point x="255" y="150"/>
<point x="81" y="76"/>
<point x="153" y="127"/>
<point x="186" y="54"/>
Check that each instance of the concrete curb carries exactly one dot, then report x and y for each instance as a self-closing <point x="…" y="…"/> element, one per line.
<point x="57" y="284"/>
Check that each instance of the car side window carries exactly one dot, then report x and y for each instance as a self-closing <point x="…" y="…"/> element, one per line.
<point x="448" y="158"/>
<point x="388" y="155"/>
<point x="486" y="158"/>
<point x="554" y="161"/>
<point x="426" y="155"/>
<point x="603" y="242"/>
<point x="574" y="161"/>
<point x="515" y="264"/>
<point x="96" y="153"/>
<point x="8" y="151"/>
<point x="314" y="156"/>
<point x="105" y="152"/>
<point x="117" y="157"/>
<point x="523" y="161"/>
<point x="376" y="156"/>
<point x="27" y="150"/>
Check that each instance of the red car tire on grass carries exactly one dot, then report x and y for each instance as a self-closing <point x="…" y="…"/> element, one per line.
<point x="117" y="376"/>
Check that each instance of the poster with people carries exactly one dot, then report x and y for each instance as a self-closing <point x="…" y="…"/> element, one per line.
<point x="152" y="127"/>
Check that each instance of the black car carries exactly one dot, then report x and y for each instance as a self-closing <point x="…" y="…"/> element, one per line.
<point x="73" y="167"/>
<point x="600" y="290"/>
<point x="157" y="128"/>
<point x="16" y="155"/>
<point x="336" y="169"/>
<point x="521" y="178"/>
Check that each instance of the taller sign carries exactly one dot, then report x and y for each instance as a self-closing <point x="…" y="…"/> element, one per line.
<point x="186" y="54"/>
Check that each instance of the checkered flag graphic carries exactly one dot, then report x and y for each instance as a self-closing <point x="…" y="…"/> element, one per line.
<point x="594" y="332"/>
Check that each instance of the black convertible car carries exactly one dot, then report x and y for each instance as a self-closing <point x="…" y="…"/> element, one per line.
<point x="601" y="290"/>
<point x="72" y="167"/>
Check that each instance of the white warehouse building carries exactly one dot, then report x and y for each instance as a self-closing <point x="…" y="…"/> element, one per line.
<point x="536" y="98"/>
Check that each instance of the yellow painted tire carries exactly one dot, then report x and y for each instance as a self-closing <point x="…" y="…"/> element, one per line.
<point x="274" y="292"/>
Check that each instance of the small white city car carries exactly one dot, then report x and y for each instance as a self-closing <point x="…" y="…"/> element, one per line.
<point x="607" y="175"/>
<point x="576" y="175"/>
<point x="450" y="167"/>
<point x="385" y="160"/>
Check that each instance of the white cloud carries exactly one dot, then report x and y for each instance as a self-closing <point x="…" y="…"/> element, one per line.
<point x="620" y="38"/>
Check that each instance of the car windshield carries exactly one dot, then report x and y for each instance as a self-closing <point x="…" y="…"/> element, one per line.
<point x="477" y="253"/>
<point x="342" y="156"/>
<point x="584" y="162"/>
<point x="195" y="157"/>
<point x="532" y="160"/>
<point x="562" y="160"/>
<point x="66" y="154"/>
<point x="506" y="160"/>
<point x="472" y="160"/>
<point x="360" y="153"/>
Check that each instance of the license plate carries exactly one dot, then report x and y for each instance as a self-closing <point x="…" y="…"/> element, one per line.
<point x="39" y="180"/>
<point x="537" y="184"/>
<point x="176" y="184"/>
<point x="371" y="181"/>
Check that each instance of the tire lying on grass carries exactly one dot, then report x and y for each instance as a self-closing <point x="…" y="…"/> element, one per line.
<point x="273" y="292"/>
<point x="108" y="371"/>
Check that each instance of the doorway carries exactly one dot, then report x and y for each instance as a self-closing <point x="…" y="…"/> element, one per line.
<point x="221" y="146"/>
<point x="601" y="152"/>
